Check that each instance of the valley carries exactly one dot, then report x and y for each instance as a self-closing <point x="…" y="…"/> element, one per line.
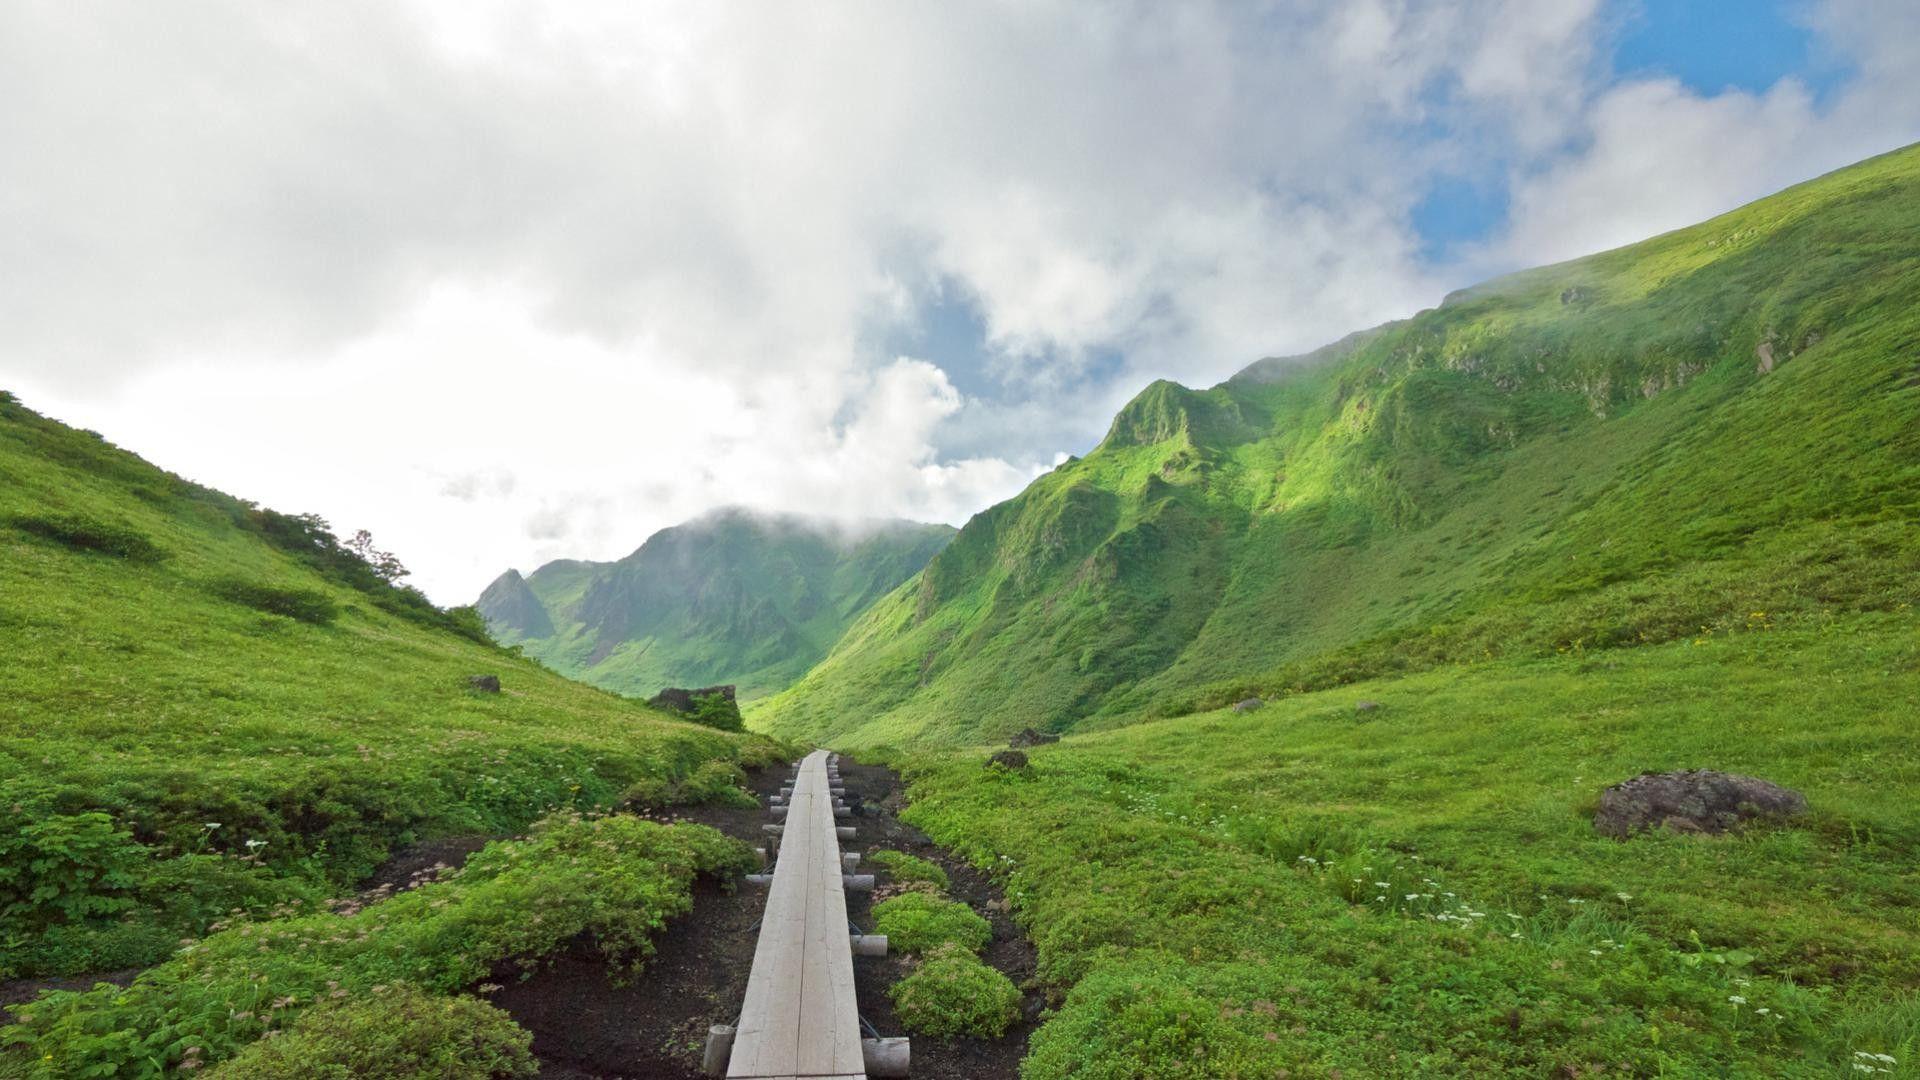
<point x="1318" y="678"/>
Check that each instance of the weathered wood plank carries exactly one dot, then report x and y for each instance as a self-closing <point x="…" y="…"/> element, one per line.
<point x="800" y="1018"/>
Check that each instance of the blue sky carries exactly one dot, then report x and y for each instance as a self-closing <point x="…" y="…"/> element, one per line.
<point x="1709" y="46"/>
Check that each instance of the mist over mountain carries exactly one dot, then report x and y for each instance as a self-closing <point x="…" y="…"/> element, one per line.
<point x="731" y="597"/>
<point x="1615" y="450"/>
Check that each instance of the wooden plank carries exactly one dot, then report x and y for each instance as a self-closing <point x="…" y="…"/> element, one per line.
<point x="800" y="1018"/>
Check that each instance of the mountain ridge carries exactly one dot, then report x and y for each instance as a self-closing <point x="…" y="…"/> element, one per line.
<point x="733" y="596"/>
<point x="1480" y="479"/>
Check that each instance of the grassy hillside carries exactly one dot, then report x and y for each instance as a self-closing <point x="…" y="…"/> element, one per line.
<point x="1416" y="889"/>
<point x="205" y="706"/>
<point x="1615" y="451"/>
<point x="732" y="597"/>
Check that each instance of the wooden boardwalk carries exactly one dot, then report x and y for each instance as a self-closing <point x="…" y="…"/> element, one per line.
<point x="799" y="1018"/>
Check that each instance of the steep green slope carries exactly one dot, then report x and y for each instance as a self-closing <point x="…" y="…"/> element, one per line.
<point x="731" y="597"/>
<point x="206" y="706"/>
<point x="1614" y="451"/>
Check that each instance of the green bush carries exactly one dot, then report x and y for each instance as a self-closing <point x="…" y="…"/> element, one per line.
<point x="87" y="534"/>
<point x="1143" y="1020"/>
<point x="305" y="605"/>
<point x="907" y="869"/>
<point x="952" y="993"/>
<point x="613" y="881"/>
<point x="79" y="893"/>
<point x="717" y="711"/>
<point x="714" y="781"/>
<point x="917" y="922"/>
<point x="66" y="868"/>
<point x="401" y="1034"/>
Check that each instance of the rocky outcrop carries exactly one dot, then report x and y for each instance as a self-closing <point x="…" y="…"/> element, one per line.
<point x="1692" y="801"/>
<point x="1031" y="737"/>
<point x="682" y="701"/>
<point x="1008" y="759"/>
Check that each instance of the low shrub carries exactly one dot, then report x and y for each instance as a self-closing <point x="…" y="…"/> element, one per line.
<point x="304" y="605"/>
<point x="717" y="711"/>
<point x="714" y="781"/>
<point x="907" y="869"/>
<point x="88" y="534"/>
<point x="613" y="881"/>
<point x="79" y="893"/>
<point x="1145" y="1019"/>
<point x="952" y="993"/>
<point x="918" y="922"/>
<point x="403" y="1033"/>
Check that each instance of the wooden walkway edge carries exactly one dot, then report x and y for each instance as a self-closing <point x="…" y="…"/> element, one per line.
<point x="800" y="1019"/>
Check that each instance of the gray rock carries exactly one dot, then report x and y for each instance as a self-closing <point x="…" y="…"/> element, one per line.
<point x="1366" y="706"/>
<point x="1247" y="704"/>
<point x="1008" y="759"/>
<point x="1030" y="737"/>
<point x="1692" y="801"/>
<point x="485" y="683"/>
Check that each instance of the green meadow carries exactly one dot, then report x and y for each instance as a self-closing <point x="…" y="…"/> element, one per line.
<point x="1416" y="888"/>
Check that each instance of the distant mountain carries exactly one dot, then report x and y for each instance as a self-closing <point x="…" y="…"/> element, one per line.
<point x="732" y="597"/>
<point x="1613" y="451"/>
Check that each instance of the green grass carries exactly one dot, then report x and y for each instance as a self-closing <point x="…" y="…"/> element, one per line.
<point x="403" y="1034"/>
<point x="905" y="869"/>
<point x="1508" y="475"/>
<point x="1417" y="889"/>
<point x="614" y="880"/>
<point x="203" y="708"/>
<point x="920" y="922"/>
<point x="950" y="992"/>
<point x="732" y="597"/>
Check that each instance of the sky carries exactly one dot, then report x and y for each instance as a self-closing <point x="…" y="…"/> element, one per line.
<point x="505" y="281"/>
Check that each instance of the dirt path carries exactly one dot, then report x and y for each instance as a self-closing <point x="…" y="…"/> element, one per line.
<point x="587" y="1028"/>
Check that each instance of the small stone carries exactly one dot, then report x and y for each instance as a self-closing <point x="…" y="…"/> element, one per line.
<point x="1030" y="737"/>
<point x="1247" y="704"/>
<point x="489" y="684"/>
<point x="1366" y="706"/>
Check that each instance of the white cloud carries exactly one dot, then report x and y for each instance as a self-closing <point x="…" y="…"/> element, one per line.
<point x="505" y="281"/>
<point x="1654" y="155"/>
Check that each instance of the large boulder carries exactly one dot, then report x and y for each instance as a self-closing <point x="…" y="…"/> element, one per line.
<point x="1008" y="759"/>
<point x="1692" y="801"/>
<point x="713" y="706"/>
<point x="682" y="701"/>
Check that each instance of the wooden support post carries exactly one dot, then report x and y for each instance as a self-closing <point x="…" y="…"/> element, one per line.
<point x="886" y="1057"/>
<point x="849" y="860"/>
<point x="719" y="1049"/>
<point x="869" y="944"/>
<point x="841" y="811"/>
<point x="845" y="832"/>
<point x="759" y="879"/>
<point x="777" y="811"/>
<point x="774" y="829"/>
<point x="857" y="882"/>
